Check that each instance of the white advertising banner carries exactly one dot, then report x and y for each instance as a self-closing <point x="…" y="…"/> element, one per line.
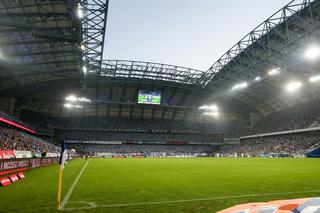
<point x="23" y="154"/>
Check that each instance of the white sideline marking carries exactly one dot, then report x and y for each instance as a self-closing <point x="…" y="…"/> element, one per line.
<point x="92" y="205"/>
<point x="68" y="195"/>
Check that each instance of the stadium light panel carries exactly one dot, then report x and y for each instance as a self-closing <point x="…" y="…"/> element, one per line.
<point x="314" y="78"/>
<point x="312" y="52"/>
<point x="258" y="78"/>
<point x="80" y="11"/>
<point x="240" y="86"/>
<point x="71" y="98"/>
<point x="214" y="114"/>
<point x="210" y="107"/>
<point x="274" y="71"/>
<point x="84" y="99"/>
<point x="293" y="86"/>
<point x="213" y="107"/>
<point x="77" y="106"/>
<point x="68" y="105"/>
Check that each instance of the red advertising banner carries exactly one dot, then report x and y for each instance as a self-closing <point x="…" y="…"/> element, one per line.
<point x="6" y="154"/>
<point x="2" y="173"/>
<point x="35" y="163"/>
<point x="14" y="164"/>
<point x="5" y="181"/>
<point x="9" y="166"/>
<point x="21" y="175"/>
<point x="13" y="178"/>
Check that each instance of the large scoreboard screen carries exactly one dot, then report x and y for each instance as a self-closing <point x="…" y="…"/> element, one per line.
<point x="149" y="97"/>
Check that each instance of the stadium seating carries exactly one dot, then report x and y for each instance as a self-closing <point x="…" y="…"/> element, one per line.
<point x="111" y="123"/>
<point x="12" y="139"/>
<point x="294" y="145"/>
<point x="300" y="116"/>
<point x="145" y="150"/>
<point x="139" y="130"/>
<point x="297" y="117"/>
<point x="136" y="137"/>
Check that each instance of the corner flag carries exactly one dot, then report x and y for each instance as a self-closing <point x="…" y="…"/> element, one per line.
<point x="63" y="157"/>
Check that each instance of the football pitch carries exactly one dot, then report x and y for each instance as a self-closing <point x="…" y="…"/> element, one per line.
<point x="162" y="185"/>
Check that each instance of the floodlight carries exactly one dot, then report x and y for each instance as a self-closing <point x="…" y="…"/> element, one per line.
<point x="258" y="78"/>
<point x="293" y="86"/>
<point x="83" y="99"/>
<point x="77" y="106"/>
<point x="274" y="71"/>
<point x="203" y="107"/>
<point x="314" y="78"/>
<point x="312" y="52"/>
<point x="212" y="107"/>
<point x="68" y="105"/>
<point x="71" y="98"/>
<point x="84" y="70"/>
<point x="214" y="114"/>
<point x="82" y="47"/>
<point x="240" y="86"/>
<point x="80" y="11"/>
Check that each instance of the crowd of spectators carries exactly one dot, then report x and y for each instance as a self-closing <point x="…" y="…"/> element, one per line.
<point x="284" y="145"/>
<point x="297" y="117"/>
<point x="139" y="130"/>
<point x="144" y="150"/>
<point x="137" y="136"/>
<point x="12" y="139"/>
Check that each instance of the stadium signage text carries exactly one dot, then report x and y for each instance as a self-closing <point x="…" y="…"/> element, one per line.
<point x="6" y="154"/>
<point x="13" y="164"/>
<point x="23" y="154"/>
<point x="10" y="166"/>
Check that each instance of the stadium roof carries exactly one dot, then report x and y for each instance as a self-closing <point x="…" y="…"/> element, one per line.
<point x="52" y="48"/>
<point x="39" y="42"/>
<point x="48" y="40"/>
<point x="151" y="71"/>
<point x="277" y="43"/>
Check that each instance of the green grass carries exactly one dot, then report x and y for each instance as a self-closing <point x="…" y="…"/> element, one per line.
<point x="122" y="181"/>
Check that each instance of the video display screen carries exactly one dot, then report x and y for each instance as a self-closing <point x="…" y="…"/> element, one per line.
<point x="149" y="97"/>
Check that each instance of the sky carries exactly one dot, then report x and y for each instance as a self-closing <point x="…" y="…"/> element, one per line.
<point x="189" y="33"/>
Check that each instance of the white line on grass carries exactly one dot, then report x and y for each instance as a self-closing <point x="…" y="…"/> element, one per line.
<point x="68" y="195"/>
<point x="92" y="205"/>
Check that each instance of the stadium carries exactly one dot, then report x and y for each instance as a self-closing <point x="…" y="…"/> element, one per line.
<point x="83" y="133"/>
